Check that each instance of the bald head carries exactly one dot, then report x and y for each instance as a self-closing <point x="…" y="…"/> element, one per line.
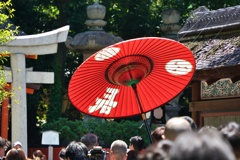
<point x="176" y="126"/>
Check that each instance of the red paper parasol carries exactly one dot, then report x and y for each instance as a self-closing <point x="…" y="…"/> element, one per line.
<point x="131" y="77"/>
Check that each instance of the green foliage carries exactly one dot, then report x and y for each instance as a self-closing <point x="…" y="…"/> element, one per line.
<point x="6" y="12"/>
<point x="50" y="11"/>
<point x="132" y="18"/>
<point x="3" y="93"/>
<point x="54" y="110"/>
<point x="107" y="131"/>
<point x="125" y="18"/>
<point x="6" y="7"/>
<point x="6" y="35"/>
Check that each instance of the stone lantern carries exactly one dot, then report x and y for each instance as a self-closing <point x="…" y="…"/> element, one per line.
<point x="96" y="14"/>
<point x="95" y="38"/>
<point x="170" y="25"/>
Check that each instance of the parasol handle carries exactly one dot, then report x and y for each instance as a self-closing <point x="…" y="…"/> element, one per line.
<point x="147" y="127"/>
<point x="134" y="86"/>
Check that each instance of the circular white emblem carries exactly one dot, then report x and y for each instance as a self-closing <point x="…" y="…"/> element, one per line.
<point x="106" y="53"/>
<point x="178" y="67"/>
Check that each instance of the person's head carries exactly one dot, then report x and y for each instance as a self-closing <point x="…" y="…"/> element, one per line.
<point x="201" y="146"/>
<point x="165" y="146"/>
<point x="15" y="154"/>
<point x="118" y="150"/>
<point x="191" y="122"/>
<point x="159" y="151"/>
<point x="3" y="146"/>
<point x="38" y="155"/>
<point x="175" y="126"/>
<point x="17" y="145"/>
<point x="90" y="140"/>
<point x="62" y="154"/>
<point x="76" y="150"/>
<point x="207" y="128"/>
<point x="157" y="134"/>
<point x="231" y="131"/>
<point x="136" y="143"/>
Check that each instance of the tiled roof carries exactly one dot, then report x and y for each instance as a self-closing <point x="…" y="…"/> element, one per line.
<point x="218" y="52"/>
<point x="214" y="39"/>
<point x="205" y="21"/>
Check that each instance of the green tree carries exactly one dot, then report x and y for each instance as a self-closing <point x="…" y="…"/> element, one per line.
<point x="6" y="35"/>
<point x="126" y="18"/>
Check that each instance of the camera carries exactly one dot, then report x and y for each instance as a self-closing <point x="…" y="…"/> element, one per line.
<point x="97" y="153"/>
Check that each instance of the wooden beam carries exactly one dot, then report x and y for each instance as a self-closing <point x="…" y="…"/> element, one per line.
<point x="195" y="118"/>
<point x="196" y="90"/>
<point x="235" y="79"/>
<point x="27" y="56"/>
<point x="216" y="73"/>
<point x="211" y="81"/>
<point x="196" y="96"/>
<point x="33" y="86"/>
<point x="213" y="105"/>
<point x="31" y="56"/>
<point x="28" y="90"/>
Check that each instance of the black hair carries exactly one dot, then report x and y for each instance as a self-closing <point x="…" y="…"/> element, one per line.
<point x="137" y="143"/>
<point x="76" y="150"/>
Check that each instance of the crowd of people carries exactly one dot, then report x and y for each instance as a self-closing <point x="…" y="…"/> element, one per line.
<point x="178" y="139"/>
<point x="182" y="140"/>
<point x="15" y="152"/>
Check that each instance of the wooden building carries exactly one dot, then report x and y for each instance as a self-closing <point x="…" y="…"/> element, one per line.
<point x="214" y="38"/>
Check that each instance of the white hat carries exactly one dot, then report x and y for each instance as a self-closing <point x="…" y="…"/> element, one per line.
<point x="17" y="143"/>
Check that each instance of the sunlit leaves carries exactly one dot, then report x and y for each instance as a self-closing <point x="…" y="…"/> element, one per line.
<point x="6" y="34"/>
<point x="6" y="12"/>
<point x="3" y="84"/>
<point x="50" y="10"/>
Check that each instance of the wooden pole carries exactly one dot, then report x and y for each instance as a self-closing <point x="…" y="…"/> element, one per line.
<point x="4" y="120"/>
<point x="134" y="86"/>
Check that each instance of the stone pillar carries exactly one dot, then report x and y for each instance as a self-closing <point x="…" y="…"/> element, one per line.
<point x="19" y="100"/>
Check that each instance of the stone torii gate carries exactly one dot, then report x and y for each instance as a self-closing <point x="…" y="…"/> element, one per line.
<point x="38" y="44"/>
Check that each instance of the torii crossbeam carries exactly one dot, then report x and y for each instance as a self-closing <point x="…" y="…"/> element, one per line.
<point x="38" y="44"/>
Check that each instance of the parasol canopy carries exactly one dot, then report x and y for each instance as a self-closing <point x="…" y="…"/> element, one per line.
<point x="131" y="77"/>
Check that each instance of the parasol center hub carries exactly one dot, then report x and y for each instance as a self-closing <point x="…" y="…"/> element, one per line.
<point x="129" y="70"/>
